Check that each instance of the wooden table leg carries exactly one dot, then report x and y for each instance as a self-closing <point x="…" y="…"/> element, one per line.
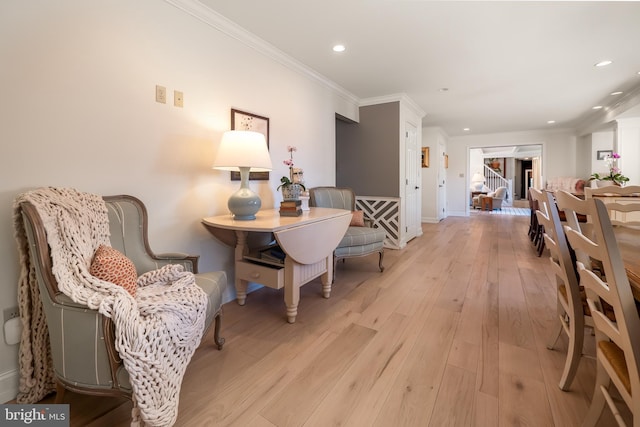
<point x="327" y="278"/>
<point x="240" y="251"/>
<point x="487" y="204"/>
<point x="291" y="288"/>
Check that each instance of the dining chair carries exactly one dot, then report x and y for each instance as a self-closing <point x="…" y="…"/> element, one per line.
<point x="533" y="220"/>
<point x="618" y="341"/>
<point x="572" y="309"/>
<point x="538" y="230"/>
<point x="575" y="213"/>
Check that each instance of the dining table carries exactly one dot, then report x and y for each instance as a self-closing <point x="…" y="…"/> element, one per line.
<point x="629" y="244"/>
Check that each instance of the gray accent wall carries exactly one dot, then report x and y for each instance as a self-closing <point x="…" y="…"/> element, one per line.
<point x="368" y="152"/>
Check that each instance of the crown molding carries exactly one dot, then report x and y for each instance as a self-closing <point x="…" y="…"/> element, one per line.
<point x="437" y="130"/>
<point x="395" y="97"/>
<point x="602" y="119"/>
<point x="233" y="30"/>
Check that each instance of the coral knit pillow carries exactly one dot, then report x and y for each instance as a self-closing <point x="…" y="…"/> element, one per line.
<point x="357" y="220"/>
<point x="113" y="266"/>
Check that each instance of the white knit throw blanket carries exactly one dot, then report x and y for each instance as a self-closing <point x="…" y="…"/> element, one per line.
<point x="157" y="332"/>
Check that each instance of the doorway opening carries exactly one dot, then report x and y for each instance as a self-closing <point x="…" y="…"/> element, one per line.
<point x="517" y="167"/>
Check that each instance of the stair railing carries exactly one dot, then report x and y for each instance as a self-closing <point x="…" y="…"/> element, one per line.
<point x="495" y="180"/>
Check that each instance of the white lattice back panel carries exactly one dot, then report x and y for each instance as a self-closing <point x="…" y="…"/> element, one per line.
<point x="385" y="214"/>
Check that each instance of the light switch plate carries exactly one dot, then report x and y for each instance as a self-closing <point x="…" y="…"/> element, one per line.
<point x="178" y="98"/>
<point x="161" y="94"/>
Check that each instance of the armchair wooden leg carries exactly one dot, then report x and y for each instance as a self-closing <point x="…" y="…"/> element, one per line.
<point x="60" y="390"/>
<point x="216" y="334"/>
<point x="380" y="261"/>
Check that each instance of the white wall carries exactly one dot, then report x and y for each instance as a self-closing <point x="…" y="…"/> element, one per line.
<point x="78" y="86"/>
<point x="558" y="159"/>
<point x="600" y="141"/>
<point x="584" y="155"/>
<point x="476" y="163"/>
<point x="628" y="146"/>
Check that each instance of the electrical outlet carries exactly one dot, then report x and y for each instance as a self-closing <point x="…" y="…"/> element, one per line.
<point x="161" y="94"/>
<point x="178" y="98"/>
<point x="10" y="313"/>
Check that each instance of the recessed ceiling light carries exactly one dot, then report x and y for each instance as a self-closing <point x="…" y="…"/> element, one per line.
<point x="597" y="107"/>
<point x="616" y="93"/>
<point x="603" y="63"/>
<point x="339" y="48"/>
<point x="466" y="129"/>
<point x="551" y="122"/>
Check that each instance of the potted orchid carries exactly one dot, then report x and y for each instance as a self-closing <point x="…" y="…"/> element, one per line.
<point x="291" y="187"/>
<point x="615" y="174"/>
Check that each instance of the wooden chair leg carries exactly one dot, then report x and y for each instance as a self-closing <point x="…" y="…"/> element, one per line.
<point x="555" y="337"/>
<point x="539" y="235"/>
<point x="380" y="261"/>
<point x="541" y="241"/>
<point x="216" y="333"/>
<point x="60" y="390"/>
<point x="533" y="227"/>
<point x="598" y="400"/>
<point x="574" y="353"/>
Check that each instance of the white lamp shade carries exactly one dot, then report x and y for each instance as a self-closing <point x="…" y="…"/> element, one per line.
<point x="477" y="182"/>
<point x="477" y="177"/>
<point x="243" y="148"/>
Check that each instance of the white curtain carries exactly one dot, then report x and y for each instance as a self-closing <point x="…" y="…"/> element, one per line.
<point x="537" y="173"/>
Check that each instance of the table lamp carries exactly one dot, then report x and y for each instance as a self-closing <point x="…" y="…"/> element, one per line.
<point x="243" y="151"/>
<point x="477" y="181"/>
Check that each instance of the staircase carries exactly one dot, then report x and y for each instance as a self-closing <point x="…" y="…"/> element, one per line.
<point x="495" y="180"/>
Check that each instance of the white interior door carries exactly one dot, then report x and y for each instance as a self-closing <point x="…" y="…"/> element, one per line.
<point x="412" y="190"/>
<point x="442" y="181"/>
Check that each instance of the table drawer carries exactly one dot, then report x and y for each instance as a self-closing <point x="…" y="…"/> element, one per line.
<point x="272" y="277"/>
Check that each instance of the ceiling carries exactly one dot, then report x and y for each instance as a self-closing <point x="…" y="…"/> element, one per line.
<point x="506" y="66"/>
<point x="517" y="151"/>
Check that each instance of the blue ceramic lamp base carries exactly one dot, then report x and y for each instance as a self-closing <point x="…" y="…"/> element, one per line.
<point x="244" y="203"/>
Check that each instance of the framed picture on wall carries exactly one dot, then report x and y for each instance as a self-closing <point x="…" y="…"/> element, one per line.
<point x="498" y="165"/>
<point x="425" y="157"/>
<point x="603" y="154"/>
<point x="241" y="120"/>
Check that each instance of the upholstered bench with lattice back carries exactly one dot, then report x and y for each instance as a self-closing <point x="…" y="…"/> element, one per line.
<point x="361" y="238"/>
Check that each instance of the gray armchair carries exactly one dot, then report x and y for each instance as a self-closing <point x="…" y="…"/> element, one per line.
<point x="358" y="240"/>
<point x="497" y="197"/>
<point x="81" y="340"/>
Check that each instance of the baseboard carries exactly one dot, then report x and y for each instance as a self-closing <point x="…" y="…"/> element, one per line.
<point x="430" y="220"/>
<point x="9" y="385"/>
<point x="458" y="213"/>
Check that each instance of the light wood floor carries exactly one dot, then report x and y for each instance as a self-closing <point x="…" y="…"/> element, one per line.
<point x="454" y="332"/>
